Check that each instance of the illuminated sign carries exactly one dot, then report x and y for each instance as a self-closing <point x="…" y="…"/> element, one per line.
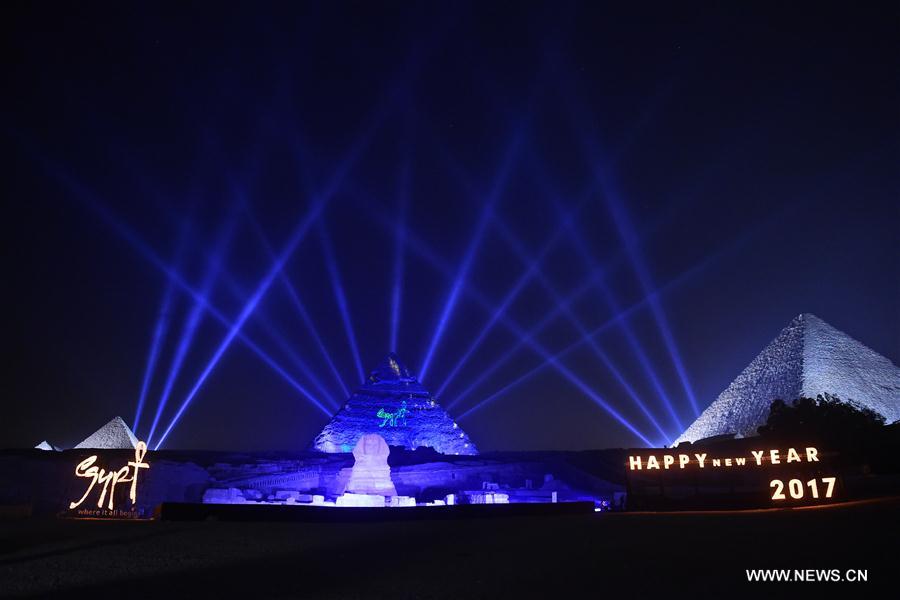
<point x="802" y="467"/>
<point x="393" y="418"/>
<point x="797" y="491"/>
<point x="107" y="480"/>
<point x="702" y="460"/>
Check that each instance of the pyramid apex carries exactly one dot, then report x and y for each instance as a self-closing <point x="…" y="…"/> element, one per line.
<point x="807" y="317"/>
<point x="115" y="434"/>
<point x="390" y="369"/>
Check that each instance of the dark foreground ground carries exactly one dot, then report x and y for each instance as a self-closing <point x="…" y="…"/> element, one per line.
<point x="596" y="556"/>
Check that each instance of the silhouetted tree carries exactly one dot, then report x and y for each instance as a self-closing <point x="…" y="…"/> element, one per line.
<point x="843" y="426"/>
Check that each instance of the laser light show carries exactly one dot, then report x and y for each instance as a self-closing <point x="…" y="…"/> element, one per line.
<point x="463" y="300"/>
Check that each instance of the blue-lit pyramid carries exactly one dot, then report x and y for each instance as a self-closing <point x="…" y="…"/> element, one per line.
<point x="393" y="404"/>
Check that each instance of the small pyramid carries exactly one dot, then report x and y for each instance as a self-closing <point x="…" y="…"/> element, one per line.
<point x="393" y="404"/>
<point x="45" y="445"/>
<point x="808" y="358"/>
<point x="115" y="434"/>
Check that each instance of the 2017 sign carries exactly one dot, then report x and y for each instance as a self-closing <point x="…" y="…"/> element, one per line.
<point x="795" y="488"/>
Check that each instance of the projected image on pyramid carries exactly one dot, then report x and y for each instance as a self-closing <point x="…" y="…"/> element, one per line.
<point x="393" y="404"/>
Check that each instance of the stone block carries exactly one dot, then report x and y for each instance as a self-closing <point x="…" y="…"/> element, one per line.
<point x="361" y="500"/>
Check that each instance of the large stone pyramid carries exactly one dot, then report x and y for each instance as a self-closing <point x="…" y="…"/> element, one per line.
<point x="809" y="357"/>
<point x="115" y="434"/>
<point x="393" y="404"/>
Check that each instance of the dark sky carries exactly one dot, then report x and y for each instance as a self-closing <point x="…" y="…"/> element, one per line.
<point x="739" y="165"/>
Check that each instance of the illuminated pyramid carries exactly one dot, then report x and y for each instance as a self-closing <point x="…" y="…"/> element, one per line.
<point x="393" y="404"/>
<point x="808" y="358"/>
<point x="115" y="434"/>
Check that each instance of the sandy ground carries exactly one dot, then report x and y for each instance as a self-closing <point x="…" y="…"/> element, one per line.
<point x="596" y="556"/>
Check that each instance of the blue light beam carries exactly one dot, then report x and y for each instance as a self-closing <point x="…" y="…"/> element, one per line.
<point x="578" y="115"/>
<point x="337" y="288"/>
<point x="239" y="294"/>
<point x="319" y="202"/>
<point x="535" y="330"/>
<point x="588" y="260"/>
<point x="396" y="290"/>
<point x="214" y="266"/>
<point x="511" y="295"/>
<point x="423" y="250"/>
<point x="459" y="280"/>
<point x="626" y="231"/>
<point x="732" y="247"/>
<point x="593" y="278"/>
<point x="159" y="333"/>
<point x="533" y="264"/>
<point x="285" y="346"/>
<point x="505" y="303"/>
<point x="150" y="255"/>
<point x="299" y="233"/>
<point x="298" y="303"/>
<point x="513" y="241"/>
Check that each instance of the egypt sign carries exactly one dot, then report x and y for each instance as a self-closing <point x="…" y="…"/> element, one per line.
<point x="791" y="475"/>
<point x="104" y="482"/>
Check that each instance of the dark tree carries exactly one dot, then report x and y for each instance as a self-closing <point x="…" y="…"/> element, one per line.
<point x="843" y="426"/>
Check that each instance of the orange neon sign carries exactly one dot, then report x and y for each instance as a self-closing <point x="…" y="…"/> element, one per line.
<point x="702" y="460"/>
<point x="109" y="479"/>
<point x="813" y="486"/>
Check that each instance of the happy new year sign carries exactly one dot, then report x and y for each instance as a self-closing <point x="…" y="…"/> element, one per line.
<point x="800" y="487"/>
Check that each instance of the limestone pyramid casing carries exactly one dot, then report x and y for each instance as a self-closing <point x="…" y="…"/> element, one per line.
<point x="115" y="434"/>
<point x="808" y="358"/>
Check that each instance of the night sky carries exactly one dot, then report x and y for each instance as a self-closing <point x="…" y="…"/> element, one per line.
<point x="710" y="172"/>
